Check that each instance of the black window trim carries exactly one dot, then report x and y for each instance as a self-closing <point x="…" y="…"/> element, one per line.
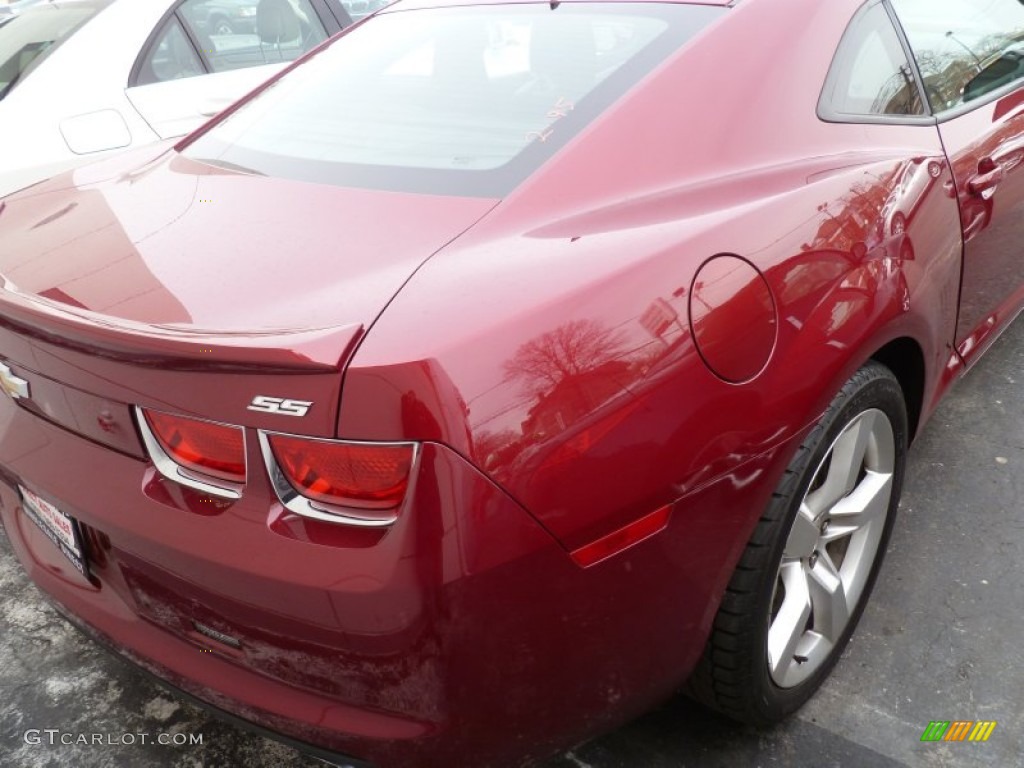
<point x="829" y="114"/>
<point x="325" y="11"/>
<point x="192" y="38"/>
<point x="328" y="12"/>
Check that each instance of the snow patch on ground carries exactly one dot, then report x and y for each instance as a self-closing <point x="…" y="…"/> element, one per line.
<point x="160" y="708"/>
<point x="60" y="686"/>
<point x="25" y="615"/>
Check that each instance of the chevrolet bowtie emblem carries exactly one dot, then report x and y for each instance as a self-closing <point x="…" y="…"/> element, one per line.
<point x="14" y="386"/>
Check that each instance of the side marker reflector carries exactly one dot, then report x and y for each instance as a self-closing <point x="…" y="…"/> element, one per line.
<point x="622" y="539"/>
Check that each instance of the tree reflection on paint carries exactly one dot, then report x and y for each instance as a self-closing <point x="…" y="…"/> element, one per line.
<point x="569" y="351"/>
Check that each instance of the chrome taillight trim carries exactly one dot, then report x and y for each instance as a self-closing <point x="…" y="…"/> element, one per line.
<point x="172" y="470"/>
<point x="295" y="502"/>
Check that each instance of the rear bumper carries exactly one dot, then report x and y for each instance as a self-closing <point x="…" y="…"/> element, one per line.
<point x="464" y="635"/>
<point x="335" y="758"/>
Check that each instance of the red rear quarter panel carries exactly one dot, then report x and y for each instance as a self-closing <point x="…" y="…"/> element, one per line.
<point x="529" y="346"/>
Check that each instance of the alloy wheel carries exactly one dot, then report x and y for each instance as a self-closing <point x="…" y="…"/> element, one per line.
<point x="831" y="548"/>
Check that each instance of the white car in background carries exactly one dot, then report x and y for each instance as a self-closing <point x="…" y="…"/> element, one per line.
<point x="80" y="78"/>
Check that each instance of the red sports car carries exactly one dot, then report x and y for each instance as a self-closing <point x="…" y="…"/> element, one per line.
<point x="502" y="367"/>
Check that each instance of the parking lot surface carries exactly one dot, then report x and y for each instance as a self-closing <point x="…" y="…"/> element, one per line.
<point x="940" y="640"/>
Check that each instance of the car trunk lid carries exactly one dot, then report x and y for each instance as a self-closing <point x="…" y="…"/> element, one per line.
<point x="179" y="286"/>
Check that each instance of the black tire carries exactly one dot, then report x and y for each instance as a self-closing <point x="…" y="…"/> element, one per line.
<point x="733" y="676"/>
<point x="219" y="25"/>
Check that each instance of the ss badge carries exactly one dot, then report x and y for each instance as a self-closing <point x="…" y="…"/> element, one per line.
<point x="280" y="405"/>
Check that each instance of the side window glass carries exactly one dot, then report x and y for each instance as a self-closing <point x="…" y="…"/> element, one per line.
<point x="171" y="57"/>
<point x="870" y="74"/>
<point x="357" y="9"/>
<point x="234" y="34"/>
<point x="965" y="49"/>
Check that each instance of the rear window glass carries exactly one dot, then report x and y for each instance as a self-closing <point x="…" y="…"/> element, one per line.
<point x="870" y="74"/>
<point x="357" y="9"/>
<point x="28" y="38"/>
<point x="465" y="100"/>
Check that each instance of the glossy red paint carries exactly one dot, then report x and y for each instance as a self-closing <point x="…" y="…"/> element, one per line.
<point x="573" y="263"/>
<point x="986" y="152"/>
<point x="116" y="272"/>
<point x="381" y="656"/>
<point x="562" y="357"/>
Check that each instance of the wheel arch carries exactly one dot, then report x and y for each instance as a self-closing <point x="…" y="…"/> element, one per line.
<point x="905" y="358"/>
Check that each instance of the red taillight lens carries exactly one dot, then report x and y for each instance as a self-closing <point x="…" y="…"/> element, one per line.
<point x="217" y="450"/>
<point x="345" y="474"/>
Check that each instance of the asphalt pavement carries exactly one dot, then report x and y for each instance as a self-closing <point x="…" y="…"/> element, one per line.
<point x="942" y="640"/>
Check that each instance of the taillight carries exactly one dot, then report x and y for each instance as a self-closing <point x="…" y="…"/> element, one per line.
<point x="367" y="481"/>
<point x="347" y="474"/>
<point x="215" y="450"/>
<point x="354" y="483"/>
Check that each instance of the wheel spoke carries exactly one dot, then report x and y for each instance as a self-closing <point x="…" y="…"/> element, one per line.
<point x="803" y="536"/>
<point x="790" y="622"/>
<point x="869" y="501"/>
<point x="828" y="598"/>
<point x="845" y="464"/>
